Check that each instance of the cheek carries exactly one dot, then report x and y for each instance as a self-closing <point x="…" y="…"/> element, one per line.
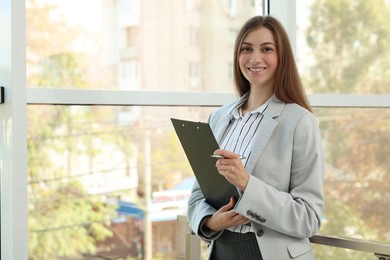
<point x="241" y="63"/>
<point x="275" y="61"/>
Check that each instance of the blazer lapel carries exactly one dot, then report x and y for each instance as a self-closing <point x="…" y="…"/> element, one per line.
<point x="220" y="126"/>
<point x="222" y="121"/>
<point x="266" y="129"/>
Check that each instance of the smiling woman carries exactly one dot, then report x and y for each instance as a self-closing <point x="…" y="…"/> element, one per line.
<point x="281" y="180"/>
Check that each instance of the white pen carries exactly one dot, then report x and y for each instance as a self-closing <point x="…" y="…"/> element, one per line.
<point x="218" y="156"/>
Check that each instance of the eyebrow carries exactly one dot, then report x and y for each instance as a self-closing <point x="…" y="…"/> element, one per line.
<point x="264" y="43"/>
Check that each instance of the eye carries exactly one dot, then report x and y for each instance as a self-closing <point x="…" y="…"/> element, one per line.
<point x="245" y="49"/>
<point x="267" y="49"/>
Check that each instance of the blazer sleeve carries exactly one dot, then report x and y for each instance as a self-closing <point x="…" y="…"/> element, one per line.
<point x="297" y="210"/>
<point x="198" y="209"/>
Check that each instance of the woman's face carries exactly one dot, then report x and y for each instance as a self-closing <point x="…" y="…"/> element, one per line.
<point x="258" y="58"/>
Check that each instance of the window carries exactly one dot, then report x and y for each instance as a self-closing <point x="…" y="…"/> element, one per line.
<point x="120" y="167"/>
<point x="110" y="80"/>
<point x="111" y="171"/>
<point x="195" y="76"/>
<point x="338" y="51"/>
<point x="100" y="35"/>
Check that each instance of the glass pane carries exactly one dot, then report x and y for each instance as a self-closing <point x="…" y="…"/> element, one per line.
<point x="99" y="180"/>
<point x="343" y="46"/>
<point x="134" y="44"/>
<point x="357" y="148"/>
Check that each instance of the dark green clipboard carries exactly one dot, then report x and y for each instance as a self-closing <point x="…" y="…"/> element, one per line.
<point x="199" y="143"/>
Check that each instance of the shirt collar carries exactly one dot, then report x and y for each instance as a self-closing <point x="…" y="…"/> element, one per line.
<point x="236" y="110"/>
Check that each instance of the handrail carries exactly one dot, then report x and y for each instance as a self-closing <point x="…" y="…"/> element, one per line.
<point x="380" y="250"/>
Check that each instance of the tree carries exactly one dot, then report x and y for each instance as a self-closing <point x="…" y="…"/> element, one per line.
<point x="169" y="162"/>
<point x="64" y="219"/>
<point x="349" y="43"/>
<point x="340" y="216"/>
<point x="63" y="216"/>
<point x="349" y="40"/>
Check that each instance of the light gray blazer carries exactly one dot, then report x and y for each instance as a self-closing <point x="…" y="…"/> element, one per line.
<point x="284" y="196"/>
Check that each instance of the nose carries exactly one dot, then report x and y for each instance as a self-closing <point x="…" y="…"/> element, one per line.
<point x="256" y="56"/>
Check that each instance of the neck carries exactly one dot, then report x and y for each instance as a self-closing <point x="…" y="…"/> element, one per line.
<point x="256" y="99"/>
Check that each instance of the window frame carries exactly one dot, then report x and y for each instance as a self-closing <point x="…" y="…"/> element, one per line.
<point x="51" y="96"/>
<point x="13" y="134"/>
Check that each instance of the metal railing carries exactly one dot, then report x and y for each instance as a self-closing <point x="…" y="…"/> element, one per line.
<point x="380" y="250"/>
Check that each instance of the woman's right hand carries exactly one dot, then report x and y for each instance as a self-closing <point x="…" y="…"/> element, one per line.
<point x="226" y="217"/>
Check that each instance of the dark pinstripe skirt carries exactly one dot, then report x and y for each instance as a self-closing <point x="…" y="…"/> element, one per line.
<point x="236" y="246"/>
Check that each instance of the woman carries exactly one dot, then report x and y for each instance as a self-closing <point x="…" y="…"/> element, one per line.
<point x="271" y="151"/>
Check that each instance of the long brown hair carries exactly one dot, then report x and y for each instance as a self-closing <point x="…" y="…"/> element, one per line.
<point x="287" y="86"/>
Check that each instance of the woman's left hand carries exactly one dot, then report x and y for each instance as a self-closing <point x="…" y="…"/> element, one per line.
<point x="231" y="167"/>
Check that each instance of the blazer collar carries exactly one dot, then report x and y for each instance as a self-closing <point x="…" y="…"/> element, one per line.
<point x="273" y="110"/>
<point x="275" y="107"/>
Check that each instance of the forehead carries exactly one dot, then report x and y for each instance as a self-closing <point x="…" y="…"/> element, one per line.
<point x="259" y="36"/>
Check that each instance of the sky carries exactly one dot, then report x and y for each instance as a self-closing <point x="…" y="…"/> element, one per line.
<point x="86" y="13"/>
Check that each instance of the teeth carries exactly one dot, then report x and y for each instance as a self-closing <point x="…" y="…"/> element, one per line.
<point x="256" y="69"/>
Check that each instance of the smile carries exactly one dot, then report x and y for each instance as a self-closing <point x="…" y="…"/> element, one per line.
<point x="256" y="69"/>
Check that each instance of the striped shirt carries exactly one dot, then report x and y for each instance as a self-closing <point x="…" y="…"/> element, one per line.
<point x="239" y="137"/>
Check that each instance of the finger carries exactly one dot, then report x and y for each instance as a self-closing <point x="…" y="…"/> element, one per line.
<point x="218" y="151"/>
<point x="241" y="220"/>
<point x="228" y="206"/>
<point x="228" y="154"/>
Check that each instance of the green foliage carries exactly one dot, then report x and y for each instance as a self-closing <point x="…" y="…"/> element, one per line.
<point x="349" y="40"/>
<point x="349" y="43"/>
<point x="64" y="219"/>
<point x="169" y="162"/>
<point x="340" y="219"/>
<point x="66" y="222"/>
<point x="49" y="47"/>
<point x="357" y="143"/>
<point x="62" y="215"/>
<point x="60" y="71"/>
